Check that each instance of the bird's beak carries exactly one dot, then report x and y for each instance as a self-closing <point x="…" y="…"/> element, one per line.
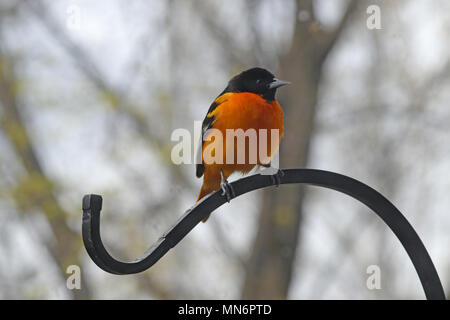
<point x="276" y="83"/>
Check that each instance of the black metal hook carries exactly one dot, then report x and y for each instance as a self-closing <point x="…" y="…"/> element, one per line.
<point x="92" y="205"/>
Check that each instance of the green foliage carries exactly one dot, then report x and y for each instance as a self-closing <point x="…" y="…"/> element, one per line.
<point x="32" y="191"/>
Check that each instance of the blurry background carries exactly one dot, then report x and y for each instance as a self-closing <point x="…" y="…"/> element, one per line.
<point x="90" y="92"/>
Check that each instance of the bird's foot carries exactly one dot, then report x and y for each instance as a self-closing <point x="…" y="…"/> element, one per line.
<point x="227" y="188"/>
<point x="276" y="178"/>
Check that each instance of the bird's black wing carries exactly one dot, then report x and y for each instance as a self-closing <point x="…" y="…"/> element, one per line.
<point x="206" y="125"/>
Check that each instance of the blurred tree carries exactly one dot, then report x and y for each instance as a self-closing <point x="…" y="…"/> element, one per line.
<point x="269" y="269"/>
<point x="34" y="190"/>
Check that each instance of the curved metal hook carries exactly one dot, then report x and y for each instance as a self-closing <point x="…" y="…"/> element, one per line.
<point x="92" y="204"/>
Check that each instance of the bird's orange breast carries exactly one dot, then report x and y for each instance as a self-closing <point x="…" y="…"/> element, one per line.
<point x="246" y="111"/>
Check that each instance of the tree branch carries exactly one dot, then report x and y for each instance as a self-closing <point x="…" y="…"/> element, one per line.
<point x="65" y="250"/>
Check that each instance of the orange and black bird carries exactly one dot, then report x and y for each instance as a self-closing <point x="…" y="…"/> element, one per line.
<point x="248" y="102"/>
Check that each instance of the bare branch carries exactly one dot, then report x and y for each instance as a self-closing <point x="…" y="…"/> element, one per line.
<point x="65" y="250"/>
<point x="326" y="40"/>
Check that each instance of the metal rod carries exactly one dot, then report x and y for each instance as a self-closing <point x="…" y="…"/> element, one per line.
<point x="92" y="205"/>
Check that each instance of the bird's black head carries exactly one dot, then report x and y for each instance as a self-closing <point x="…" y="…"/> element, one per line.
<point x="256" y="80"/>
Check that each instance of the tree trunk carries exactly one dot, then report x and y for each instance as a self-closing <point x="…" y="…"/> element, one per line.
<point x="269" y="269"/>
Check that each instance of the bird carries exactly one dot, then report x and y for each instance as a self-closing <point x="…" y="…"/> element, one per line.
<point x="247" y="102"/>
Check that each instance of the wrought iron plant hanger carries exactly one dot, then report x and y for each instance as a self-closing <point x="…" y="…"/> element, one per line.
<point x="92" y="205"/>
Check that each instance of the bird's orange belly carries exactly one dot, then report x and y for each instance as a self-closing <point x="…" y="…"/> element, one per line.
<point x="251" y="130"/>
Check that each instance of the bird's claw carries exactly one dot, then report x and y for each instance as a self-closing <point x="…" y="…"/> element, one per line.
<point x="276" y="178"/>
<point x="227" y="188"/>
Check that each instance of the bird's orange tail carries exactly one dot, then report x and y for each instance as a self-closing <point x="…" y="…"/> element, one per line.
<point x="204" y="191"/>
